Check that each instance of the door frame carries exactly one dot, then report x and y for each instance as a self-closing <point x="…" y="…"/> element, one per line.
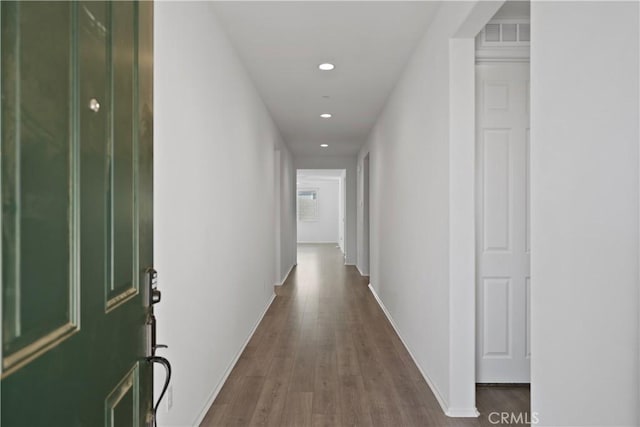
<point x="462" y="236"/>
<point x="365" y="248"/>
<point x="341" y="214"/>
<point x="342" y="182"/>
<point x="277" y="181"/>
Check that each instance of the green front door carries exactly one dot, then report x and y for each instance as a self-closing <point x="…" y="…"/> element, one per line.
<point x="76" y="186"/>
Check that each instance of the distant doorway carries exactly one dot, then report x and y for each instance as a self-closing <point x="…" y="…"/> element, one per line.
<point x="320" y="206"/>
<point x="365" y="258"/>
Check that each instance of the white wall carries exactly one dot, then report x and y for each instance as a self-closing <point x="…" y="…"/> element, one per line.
<point x="584" y="181"/>
<point x="421" y="242"/>
<point x="288" y="247"/>
<point x="214" y="204"/>
<point x="409" y="206"/>
<point x="349" y="164"/>
<point x="325" y="229"/>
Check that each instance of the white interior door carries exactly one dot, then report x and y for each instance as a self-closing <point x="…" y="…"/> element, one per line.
<point x="503" y="238"/>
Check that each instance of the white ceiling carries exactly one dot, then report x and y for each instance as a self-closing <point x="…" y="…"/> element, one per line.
<point x="282" y="43"/>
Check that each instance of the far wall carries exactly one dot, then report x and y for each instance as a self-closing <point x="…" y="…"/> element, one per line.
<point x="325" y="229"/>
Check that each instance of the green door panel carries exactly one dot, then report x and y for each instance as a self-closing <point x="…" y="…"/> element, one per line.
<point x="122" y="172"/>
<point x="37" y="207"/>
<point x="77" y="219"/>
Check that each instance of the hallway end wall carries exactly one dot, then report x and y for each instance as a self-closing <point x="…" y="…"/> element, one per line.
<point x="325" y="229"/>
<point x="215" y="211"/>
<point x="349" y="164"/>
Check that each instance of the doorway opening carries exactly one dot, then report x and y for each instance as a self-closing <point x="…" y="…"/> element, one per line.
<point x="364" y="265"/>
<point x="502" y="240"/>
<point x="320" y="206"/>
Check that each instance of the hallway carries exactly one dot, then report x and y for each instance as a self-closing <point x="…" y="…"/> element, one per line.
<point x="320" y="213"/>
<point x="325" y="355"/>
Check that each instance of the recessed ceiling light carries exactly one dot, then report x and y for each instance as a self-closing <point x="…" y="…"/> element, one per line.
<point x="326" y="66"/>
<point x="324" y="145"/>
<point x="325" y="115"/>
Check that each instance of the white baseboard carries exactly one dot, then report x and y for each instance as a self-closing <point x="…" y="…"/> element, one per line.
<point x="286" y="275"/>
<point x="319" y="243"/>
<point x="216" y="391"/>
<point x="462" y="413"/>
<point x="361" y="273"/>
<point x="450" y="412"/>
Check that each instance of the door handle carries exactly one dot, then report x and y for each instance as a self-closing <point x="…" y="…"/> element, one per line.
<point x="154" y="343"/>
<point x="154" y="297"/>
<point x="167" y="366"/>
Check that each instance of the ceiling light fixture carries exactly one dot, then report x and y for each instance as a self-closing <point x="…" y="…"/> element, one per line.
<point x="326" y="66"/>
<point x="324" y="145"/>
<point x="325" y="115"/>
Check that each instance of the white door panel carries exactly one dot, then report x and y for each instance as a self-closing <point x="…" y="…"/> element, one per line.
<point x="503" y="284"/>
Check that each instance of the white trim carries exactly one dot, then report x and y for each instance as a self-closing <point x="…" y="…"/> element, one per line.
<point x="505" y="54"/>
<point x="360" y="271"/>
<point x="319" y="243"/>
<point x="216" y="391"/>
<point x="286" y="275"/>
<point x="450" y="412"/>
<point x="484" y="59"/>
<point x="502" y="51"/>
<point x="463" y="413"/>
<point x="462" y="310"/>
<point x="481" y="43"/>
<point x="462" y="264"/>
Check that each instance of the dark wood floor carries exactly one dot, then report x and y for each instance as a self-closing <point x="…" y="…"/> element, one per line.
<point x="325" y="355"/>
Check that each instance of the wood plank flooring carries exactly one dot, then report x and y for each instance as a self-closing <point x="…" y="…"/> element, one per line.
<point x="325" y="355"/>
